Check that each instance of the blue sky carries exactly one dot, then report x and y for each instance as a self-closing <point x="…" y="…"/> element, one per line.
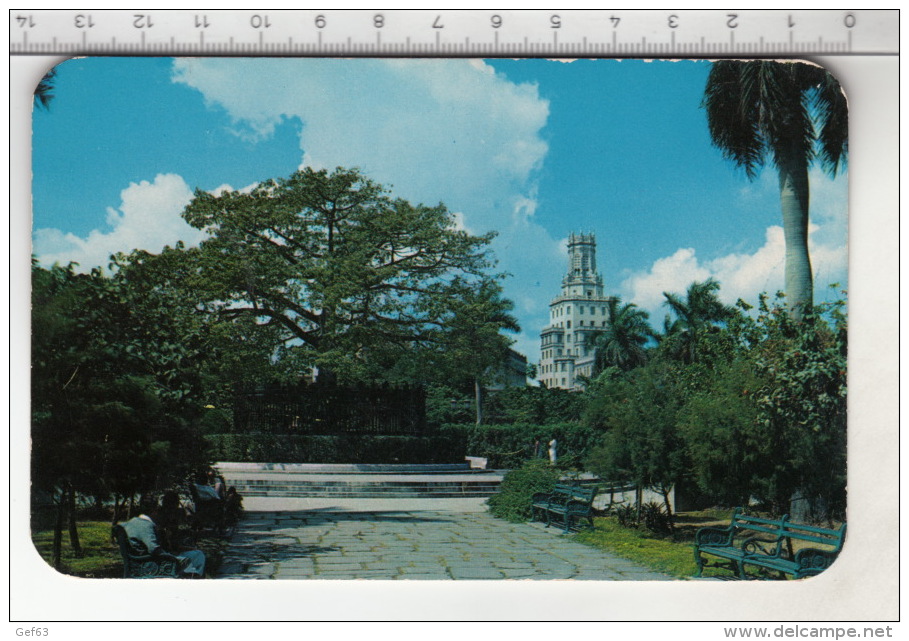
<point x="534" y="149"/>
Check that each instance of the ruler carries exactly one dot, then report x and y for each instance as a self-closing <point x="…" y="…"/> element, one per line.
<point x="487" y="33"/>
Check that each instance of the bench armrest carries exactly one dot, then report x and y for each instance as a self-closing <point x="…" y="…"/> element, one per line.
<point x="756" y="546"/>
<point x="714" y="536"/>
<point x="813" y="559"/>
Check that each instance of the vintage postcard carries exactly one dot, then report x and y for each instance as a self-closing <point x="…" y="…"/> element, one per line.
<point x="440" y="321"/>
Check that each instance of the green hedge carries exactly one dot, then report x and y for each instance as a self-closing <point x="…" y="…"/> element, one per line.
<point x="505" y="446"/>
<point x="509" y="446"/>
<point x="286" y="448"/>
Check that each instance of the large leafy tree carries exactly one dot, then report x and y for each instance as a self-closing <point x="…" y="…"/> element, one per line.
<point x="623" y="342"/>
<point x="342" y="272"/>
<point x="787" y="113"/>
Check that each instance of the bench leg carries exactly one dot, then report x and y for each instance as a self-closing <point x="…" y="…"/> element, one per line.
<point x="699" y="561"/>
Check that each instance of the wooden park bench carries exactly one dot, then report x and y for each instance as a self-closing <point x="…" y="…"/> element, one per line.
<point x="568" y="504"/>
<point x="144" y="566"/>
<point x="767" y="544"/>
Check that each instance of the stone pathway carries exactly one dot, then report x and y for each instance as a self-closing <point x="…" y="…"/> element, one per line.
<point x="332" y="543"/>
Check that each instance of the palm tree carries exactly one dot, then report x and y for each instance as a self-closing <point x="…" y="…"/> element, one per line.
<point x="44" y="90"/>
<point x="622" y="343"/>
<point x="695" y="315"/>
<point x="789" y="113"/>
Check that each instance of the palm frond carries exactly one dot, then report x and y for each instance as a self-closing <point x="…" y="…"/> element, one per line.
<point x="832" y="111"/>
<point x="44" y="91"/>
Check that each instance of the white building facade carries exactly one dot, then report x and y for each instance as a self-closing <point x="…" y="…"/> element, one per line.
<point x="577" y="313"/>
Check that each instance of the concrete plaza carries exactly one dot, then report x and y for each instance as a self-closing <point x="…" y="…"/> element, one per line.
<point x="432" y="539"/>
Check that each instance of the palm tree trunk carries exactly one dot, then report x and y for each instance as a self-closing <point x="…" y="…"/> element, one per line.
<point x="793" y="173"/>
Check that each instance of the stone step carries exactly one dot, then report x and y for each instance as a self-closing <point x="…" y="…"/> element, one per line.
<point x="366" y="495"/>
<point x="360" y="481"/>
<point x="257" y="487"/>
<point x="228" y="468"/>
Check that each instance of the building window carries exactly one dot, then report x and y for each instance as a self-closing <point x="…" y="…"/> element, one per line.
<point x="569" y="324"/>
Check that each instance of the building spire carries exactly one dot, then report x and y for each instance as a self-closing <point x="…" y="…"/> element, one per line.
<point x="582" y="265"/>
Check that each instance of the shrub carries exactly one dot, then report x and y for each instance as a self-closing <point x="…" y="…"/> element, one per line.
<point x="627" y="515"/>
<point x="654" y="517"/>
<point x="513" y="502"/>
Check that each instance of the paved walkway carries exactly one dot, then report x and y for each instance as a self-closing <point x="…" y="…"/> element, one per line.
<point x="363" y="540"/>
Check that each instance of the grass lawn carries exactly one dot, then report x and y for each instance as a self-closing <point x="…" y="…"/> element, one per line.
<point x="101" y="558"/>
<point x="673" y="555"/>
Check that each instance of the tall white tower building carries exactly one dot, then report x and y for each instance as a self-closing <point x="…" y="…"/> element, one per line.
<point x="578" y="312"/>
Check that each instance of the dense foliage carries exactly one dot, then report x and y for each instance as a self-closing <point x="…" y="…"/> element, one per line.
<point x="753" y="409"/>
<point x="513" y="501"/>
<point x="113" y="383"/>
<point x="354" y="282"/>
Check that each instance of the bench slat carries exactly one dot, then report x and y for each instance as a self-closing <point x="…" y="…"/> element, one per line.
<point x="770" y="555"/>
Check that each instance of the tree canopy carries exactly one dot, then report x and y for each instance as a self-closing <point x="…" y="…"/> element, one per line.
<point x="343" y="272"/>
<point x="788" y="113"/>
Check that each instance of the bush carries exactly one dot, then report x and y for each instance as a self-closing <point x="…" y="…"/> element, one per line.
<point x="348" y="448"/>
<point x="513" y="502"/>
<point x="654" y="518"/>
<point x="627" y="515"/>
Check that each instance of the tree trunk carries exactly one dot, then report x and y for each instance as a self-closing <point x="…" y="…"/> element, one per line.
<point x="478" y="399"/>
<point x="665" y="492"/>
<point x="71" y="521"/>
<point x="73" y="530"/>
<point x="116" y="516"/>
<point x="58" y="532"/>
<point x="793" y="174"/>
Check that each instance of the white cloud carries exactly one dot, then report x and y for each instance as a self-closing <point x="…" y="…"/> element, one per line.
<point x="148" y="218"/>
<point x="451" y="131"/>
<point x="741" y="275"/>
<point x="747" y="274"/>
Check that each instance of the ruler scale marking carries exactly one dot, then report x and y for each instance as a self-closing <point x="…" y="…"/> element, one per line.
<point x="871" y="32"/>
